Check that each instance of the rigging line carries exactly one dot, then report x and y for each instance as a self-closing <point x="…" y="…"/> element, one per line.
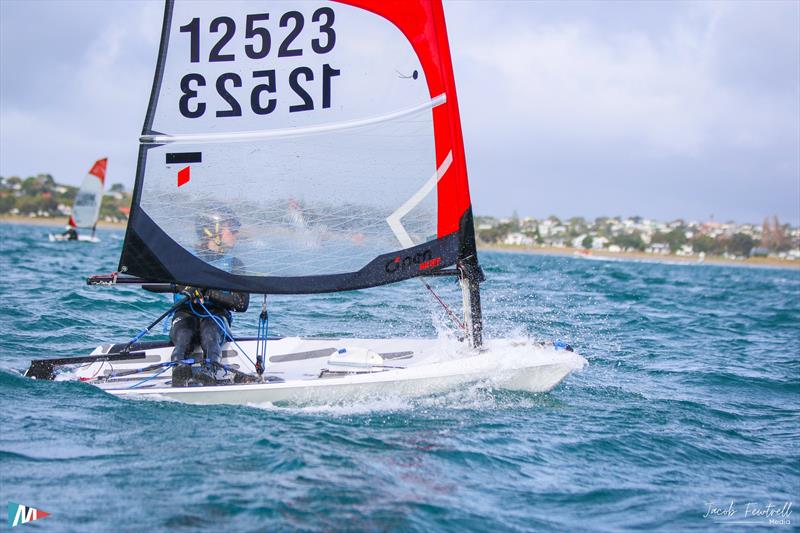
<point x="449" y="311"/>
<point x="262" y="337"/>
<point x="149" y="378"/>
<point x="290" y="132"/>
<point x="221" y="325"/>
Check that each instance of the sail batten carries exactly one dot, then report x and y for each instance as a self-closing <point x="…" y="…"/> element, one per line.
<point x="323" y="134"/>
<point x="290" y="132"/>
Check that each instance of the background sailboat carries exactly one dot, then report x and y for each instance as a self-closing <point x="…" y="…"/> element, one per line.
<point x="86" y="208"/>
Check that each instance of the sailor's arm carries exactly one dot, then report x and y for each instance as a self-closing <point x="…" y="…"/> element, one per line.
<point x="238" y="301"/>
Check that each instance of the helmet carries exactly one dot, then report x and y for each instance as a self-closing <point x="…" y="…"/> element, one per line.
<point x="209" y="225"/>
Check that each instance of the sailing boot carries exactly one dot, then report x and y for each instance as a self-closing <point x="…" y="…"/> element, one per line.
<point x="205" y="375"/>
<point x="181" y="374"/>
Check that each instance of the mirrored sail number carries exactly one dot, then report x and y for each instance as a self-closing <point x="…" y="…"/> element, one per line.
<point x="263" y="95"/>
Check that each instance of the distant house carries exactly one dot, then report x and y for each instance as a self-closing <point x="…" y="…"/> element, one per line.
<point x="518" y="239"/>
<point x="661" y="248"/>
<point x="759" y="251"/>
<point x="614" y="248"/>
<point x="599" y="242"/>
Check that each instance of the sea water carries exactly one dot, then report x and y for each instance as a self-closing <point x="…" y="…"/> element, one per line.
<point x="687" y="415"/>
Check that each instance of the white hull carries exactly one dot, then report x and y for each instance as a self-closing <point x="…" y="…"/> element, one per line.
<point x="411" y="367"/>
<point x="81" y="238"/>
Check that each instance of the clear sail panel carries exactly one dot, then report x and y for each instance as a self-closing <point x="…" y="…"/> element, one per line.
<point x="305" y="204"/>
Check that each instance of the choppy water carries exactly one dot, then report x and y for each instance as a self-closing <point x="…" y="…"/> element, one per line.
<point x="691" y="398"/>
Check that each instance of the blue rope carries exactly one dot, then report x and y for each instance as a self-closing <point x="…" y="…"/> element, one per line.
<point x="167" y="319"/>
<point x="167" y="323"/>
<point x="222" y="326"/>
<point x="138" y="336"/>
<point x="166" y="366"/>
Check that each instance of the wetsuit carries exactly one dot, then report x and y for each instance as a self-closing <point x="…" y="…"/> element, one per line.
<point x="188" y="328"/>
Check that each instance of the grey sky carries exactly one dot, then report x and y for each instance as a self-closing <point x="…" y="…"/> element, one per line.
<point x="661" y="109"/>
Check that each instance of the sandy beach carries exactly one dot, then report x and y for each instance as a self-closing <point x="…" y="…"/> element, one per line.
<point x="641" y="256"/>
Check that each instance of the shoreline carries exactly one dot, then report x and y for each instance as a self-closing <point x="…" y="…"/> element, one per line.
<point x="543" y="250"/>
<point x="54" y="221"/>
<point x="640" y="256"/>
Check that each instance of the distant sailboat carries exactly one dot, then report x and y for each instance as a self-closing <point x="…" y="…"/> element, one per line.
<point x="330" y="132"/>
<point x="86" y="208"/>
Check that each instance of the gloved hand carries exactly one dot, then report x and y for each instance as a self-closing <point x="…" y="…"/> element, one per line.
<point x="194" y="293"/>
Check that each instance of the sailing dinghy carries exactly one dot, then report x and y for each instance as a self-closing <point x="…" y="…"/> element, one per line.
<point x="331" y="130"/>
<point x="86" y="209"/>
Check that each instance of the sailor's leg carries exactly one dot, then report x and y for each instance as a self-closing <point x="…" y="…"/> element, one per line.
<point x="211" y="341"/>
<point x="211" y="338"/>
<point x="182" y="335"/>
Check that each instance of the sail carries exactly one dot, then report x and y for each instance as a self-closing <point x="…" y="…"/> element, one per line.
<point x="324" y="134"/>
<point x="86" y="208"/>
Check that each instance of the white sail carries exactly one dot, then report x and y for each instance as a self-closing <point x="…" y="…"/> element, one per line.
<point x="86" y="208"/>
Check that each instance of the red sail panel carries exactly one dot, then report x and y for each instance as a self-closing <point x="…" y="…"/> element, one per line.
<point x="423" y="24"/>
<point x="99" y="169"/>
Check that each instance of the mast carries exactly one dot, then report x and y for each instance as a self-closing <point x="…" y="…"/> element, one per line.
<point x="471" y="298"/>
<point x="470" y="277"/>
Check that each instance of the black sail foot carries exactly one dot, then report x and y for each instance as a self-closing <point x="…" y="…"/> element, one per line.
<point x="45" y="368"/>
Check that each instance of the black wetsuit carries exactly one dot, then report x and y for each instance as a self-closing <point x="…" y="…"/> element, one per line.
<point x="188" y="327"/>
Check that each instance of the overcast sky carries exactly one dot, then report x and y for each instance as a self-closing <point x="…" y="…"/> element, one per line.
<point x="658" y="109"/>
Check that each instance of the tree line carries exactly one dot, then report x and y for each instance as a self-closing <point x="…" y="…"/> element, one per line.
<point x="40" y="195"/>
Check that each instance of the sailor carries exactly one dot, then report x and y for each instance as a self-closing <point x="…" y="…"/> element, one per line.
<point x="71" y="234"/>
<point x="207" y="311"/>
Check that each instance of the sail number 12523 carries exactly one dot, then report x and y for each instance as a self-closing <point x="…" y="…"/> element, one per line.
<point x="263" y="97"/>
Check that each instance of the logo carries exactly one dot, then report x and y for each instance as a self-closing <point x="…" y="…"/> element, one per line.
<point x="184" y="175"/>
<point x="419" y="259"/>
<point x="19" y="514"/>
<point x="435" y="262"/>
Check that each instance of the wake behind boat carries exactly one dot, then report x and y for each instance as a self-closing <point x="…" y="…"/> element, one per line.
<point x="61" y="237"/>
<point x="282" y="155"/>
